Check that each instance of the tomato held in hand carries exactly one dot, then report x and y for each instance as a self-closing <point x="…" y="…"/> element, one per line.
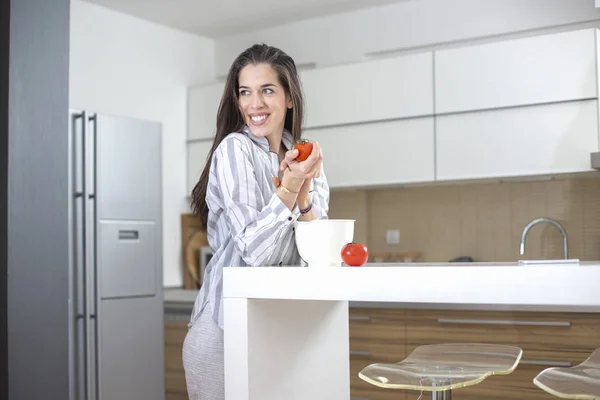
<point x="304" y="149"/>
<point x="355" y="254"/>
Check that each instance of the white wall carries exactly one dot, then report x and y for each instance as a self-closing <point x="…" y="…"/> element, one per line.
<point x="414" y="24"/>
<point x="126" y="66"/>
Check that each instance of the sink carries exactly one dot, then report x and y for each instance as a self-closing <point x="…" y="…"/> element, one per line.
<point x="573" y="261"/>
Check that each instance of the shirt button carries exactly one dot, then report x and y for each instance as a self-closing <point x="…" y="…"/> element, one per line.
<point x="293" y="228"/>
<point x="289" y="218"/>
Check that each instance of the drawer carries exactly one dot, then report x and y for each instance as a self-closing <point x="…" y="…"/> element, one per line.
<point x="377" y="323"/>
<point x="542" y="336"/>
<point x="175" y="382"/>
<point x="173" y="358"/>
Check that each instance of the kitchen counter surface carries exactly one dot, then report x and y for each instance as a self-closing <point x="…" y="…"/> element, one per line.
<point x="454" y="282"/>
<point x="555" y="286"/>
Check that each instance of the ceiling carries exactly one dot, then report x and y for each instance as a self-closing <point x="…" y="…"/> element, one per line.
<point x="216" y="18"/>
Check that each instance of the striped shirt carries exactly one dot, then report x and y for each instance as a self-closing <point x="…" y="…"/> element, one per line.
<point x="248" y="224"/>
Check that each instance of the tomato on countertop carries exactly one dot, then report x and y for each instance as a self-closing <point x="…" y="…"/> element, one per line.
<point x="304" y="148"/>
<point x="355" y="254"/>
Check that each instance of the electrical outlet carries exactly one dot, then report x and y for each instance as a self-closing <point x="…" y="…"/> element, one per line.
<point x="392" y="236"/>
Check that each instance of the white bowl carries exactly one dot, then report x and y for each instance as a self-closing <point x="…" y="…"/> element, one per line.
<point x="320" y="242"/>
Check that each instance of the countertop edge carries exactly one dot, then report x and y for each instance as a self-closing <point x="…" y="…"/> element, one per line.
<point x="177" y="300"/>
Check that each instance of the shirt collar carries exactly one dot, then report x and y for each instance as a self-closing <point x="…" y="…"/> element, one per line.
<point x="263" y="143"/>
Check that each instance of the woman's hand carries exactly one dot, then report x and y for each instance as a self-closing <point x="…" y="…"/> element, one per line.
<point x="307" y="169"/>
<point x="297" y="176"/>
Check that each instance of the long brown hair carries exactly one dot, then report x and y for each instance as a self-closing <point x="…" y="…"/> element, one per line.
<point x="229" y="117"/>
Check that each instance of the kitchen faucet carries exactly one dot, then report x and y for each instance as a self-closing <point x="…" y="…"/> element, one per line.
<point x="550" y="221"/>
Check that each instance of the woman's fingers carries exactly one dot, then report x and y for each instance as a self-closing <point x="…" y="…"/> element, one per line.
<point x="288" y="160"/>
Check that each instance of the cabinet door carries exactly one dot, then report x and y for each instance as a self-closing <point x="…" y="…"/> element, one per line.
<point x="378" y="153"/>
<point x="196" y="159"/>
<point x="545" y="139"/>
<point x="203" y="103"/>
<point x="534" y="70"/>
<point x="375" y="90"/>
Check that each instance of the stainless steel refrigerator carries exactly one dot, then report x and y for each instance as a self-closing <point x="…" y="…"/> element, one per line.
<point x="116" y="298"/>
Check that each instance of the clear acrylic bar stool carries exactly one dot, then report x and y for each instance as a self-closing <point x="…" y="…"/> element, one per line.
<point x="441" y="368"/>
<point x="578" y="382"/>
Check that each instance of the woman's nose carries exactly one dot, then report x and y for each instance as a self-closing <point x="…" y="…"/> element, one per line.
<point x="257" y="101"/>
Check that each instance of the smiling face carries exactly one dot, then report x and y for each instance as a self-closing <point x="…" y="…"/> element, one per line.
<point x="262" y="100"/>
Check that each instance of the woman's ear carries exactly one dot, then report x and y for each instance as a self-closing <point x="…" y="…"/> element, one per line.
<point x="290" y="104"/>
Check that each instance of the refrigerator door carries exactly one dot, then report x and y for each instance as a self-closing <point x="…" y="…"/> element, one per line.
<point x="132" y="348"/>
<point x="129" y="259"/>
<point x="129" y="169"/>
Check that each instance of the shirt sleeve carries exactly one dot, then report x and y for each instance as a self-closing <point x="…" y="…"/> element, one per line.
<point x="320" y="196"/>
<point x="255" y="227"/>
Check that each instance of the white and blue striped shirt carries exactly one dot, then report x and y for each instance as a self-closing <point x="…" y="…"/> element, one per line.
<point x="248" y="224"/>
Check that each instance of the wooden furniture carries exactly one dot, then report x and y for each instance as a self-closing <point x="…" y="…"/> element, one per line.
<point x="547" y="338"/>
<point x="388" y="335"/>
<point x="175" y="331"/>
<point x="192" y="238"/>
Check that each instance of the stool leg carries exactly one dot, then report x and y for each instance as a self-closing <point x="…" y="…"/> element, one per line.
<point x="442" y="395"/>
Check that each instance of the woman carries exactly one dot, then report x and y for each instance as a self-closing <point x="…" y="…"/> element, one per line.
<point x="249" y="195"/>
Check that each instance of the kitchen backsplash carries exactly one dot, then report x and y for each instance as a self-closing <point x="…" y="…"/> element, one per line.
<point x="481" y="220"/>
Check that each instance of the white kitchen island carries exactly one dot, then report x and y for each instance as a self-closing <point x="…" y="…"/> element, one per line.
<point x="286" y="329"/>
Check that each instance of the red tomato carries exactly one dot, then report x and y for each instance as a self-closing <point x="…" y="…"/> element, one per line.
<point x="304" y="149"/>
<point x="355" y="254"/>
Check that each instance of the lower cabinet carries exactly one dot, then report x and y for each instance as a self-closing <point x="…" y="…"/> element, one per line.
<point x="175" y="331"/>
<point x="547" y="339"/>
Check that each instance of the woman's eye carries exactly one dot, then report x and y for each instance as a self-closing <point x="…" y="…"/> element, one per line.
<point x="244" y="92"/>
<point x="268" y="91"/>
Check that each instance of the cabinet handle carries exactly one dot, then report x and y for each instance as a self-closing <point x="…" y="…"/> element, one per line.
<point x="360" y="353"/>
<point x="502" y="322"/>
<point x="546" y="363"/>
<point x="360" y="318"/>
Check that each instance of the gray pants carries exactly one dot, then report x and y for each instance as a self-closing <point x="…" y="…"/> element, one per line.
<point x="203" y="359"/>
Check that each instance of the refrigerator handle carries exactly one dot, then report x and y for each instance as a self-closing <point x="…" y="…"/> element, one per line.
<point x="79" y="355"/>
<point x="89" y="198"/>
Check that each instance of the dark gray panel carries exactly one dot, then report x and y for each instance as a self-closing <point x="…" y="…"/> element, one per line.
<point x="4" y="50"/>
<point x="38" y="248"/>
<point x="129" y="169"/>
<point x="132" y="349"/>
<point x="128" y="259"/>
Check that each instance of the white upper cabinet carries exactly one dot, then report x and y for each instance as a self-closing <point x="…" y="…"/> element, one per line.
<point x="203" y="104"/>
<point x="536" y="140"/>
<point x="533" y="70"/>
<point x="381" y="153"/>
<point x="197" y="153"/>
<point x="369" y="91"/>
